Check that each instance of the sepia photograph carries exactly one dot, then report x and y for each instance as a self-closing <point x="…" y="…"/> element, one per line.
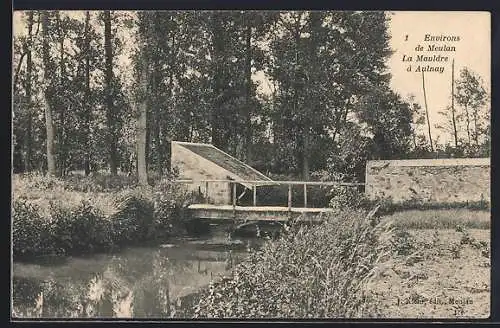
<point x="250" y="164"/>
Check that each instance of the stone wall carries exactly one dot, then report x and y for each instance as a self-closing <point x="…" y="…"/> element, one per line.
<point x="431" y="180"/>
<point x="193" y="166"/>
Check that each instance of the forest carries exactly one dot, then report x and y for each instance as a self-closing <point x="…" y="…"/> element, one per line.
<point x="294" y="93"/>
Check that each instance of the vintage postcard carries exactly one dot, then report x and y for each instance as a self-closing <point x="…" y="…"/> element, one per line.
<point x="251" y="164"/>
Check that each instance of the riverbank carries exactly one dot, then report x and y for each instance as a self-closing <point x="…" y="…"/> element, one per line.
<point x="57" y="217"/>
<point x="418" y="271"/>
<point x="382" y="268"/>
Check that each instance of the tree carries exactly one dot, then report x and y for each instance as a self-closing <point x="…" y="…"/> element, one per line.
<point x="49" y="124"/>
<point x="471" y="96"/>
<point x="323" y="63"/>
<point x="388" y="120"/>
<point x="142" y="104"/>
<point x="110" y="109"/>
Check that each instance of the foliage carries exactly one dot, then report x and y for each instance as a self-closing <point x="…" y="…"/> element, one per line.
<point x="202" y="86"/>
<point x="70" y="224"/>
<point x="312" y="272"/>
<point x="80" y="230"/>
<point x="170" y="200"/>
<point x="342" y="196"/>
<point x="31" y="233"/>
<point x="470" y="117"/>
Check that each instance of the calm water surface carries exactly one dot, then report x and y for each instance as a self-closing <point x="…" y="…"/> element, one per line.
<point x="136" y="282"/>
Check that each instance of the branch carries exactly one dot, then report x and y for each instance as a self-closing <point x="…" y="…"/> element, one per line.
<point x="18" y="68"/>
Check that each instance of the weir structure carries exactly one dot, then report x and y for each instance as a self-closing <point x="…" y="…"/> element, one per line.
<point x="221" y="180"/>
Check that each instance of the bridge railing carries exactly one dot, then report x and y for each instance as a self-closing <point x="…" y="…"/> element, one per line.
<point x="260" y="183"/>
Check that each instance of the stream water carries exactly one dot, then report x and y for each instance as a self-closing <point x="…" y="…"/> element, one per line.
<point x="135" y="282"/>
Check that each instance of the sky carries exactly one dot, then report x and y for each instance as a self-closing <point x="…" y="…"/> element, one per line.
<point x="407" y="30"/>
<point x="473" y="50"/>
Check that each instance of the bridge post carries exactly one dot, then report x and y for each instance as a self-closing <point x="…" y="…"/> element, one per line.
<point x="305" y="195"/>
<point x="206" y="192"/>
<point x="234" y="195"/>
<point x="254" y="187"/>
<point x="289" y="197"/>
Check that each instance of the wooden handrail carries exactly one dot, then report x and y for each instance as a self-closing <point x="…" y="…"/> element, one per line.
<point x="268" y="183"/>
<point x="271" y="183"/>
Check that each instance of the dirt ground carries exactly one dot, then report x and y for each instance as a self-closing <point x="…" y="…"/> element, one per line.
<point x="438" y="274"/>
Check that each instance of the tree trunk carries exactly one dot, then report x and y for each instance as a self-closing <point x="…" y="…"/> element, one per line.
<point x="49" y="124"/>
<point x="476" y="132"/>
<point x="111" y="117"/>
<point x="218" y="118"/>
<point x="427" y="113"/>
<point x="315" y="25"/>
<point x="62" y="135"/>
<point x="453" y="119"/>
<point x="29" y="69"/>
<point x="88" y="107"/>
<point x="142" y="132"/>
<point x="156" y="78"/>
<point x="248" y="91"/>
<point x="467" y="118"/>
<point x="143" y="111"/>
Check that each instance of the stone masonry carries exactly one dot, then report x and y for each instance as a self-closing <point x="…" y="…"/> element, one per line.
<point x="429" y="180"/>
<point x="192" y="166"/>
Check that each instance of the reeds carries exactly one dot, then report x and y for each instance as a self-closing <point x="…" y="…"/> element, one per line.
<point x="310" y="272"/>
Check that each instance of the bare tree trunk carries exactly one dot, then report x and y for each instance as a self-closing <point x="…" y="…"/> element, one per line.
<point x="467" y="119"/>
<point x="86" y="160"/>
<point x="111" y="117"/>
<point x="156" y="92"/>
<point x="29" y="70"/>
<point x="427" y="113"/>
<point x="315" y="24"/>
<point x="453" y="119"/>
<point x="142" y="132"/>
<point x="476" y="133"/>
<point x="62" y="130"/>
<point x="248" y="90"/>
<point x="220" y="136"/>
<point x="49" y="124"/>
<point x="143" y="111"/>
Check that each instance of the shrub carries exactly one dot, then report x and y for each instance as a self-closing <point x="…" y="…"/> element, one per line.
<point x="170" y="201"/>
<point x="404" y="242"/>
<point x="31" y="233"/>
<point x="81" y="229"/>
<point x="312" y="271"/>
<point x="134" y="217"/>
<point x="342" y="196"/>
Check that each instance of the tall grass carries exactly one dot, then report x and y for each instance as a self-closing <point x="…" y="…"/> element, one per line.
<point x="441" y="219"/>
<point x="311" y="272"/>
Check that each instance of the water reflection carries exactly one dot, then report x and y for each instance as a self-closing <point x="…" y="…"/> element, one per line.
<point x="138" y="282"/>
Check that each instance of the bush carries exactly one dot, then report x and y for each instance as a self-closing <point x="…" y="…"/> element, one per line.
<point x="133" y="219"/>
<point x="31" y="233"/>
<point x="170" y="201"/>
<point x="79" y="230"/>
<point x="65" y="222"/>
<point x="341" y="196"/>
<point x="313" y="271"/>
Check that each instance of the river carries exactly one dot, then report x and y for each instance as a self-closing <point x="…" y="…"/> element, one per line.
<point x="134" y="282"/>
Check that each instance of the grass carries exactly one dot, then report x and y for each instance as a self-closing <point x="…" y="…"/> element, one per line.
<point x="311" y="272"/>
<point x="441" y="273"/>
<point x="441" y="219"/>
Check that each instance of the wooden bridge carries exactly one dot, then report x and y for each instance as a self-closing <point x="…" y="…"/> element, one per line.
<point x="254" y="213"/>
